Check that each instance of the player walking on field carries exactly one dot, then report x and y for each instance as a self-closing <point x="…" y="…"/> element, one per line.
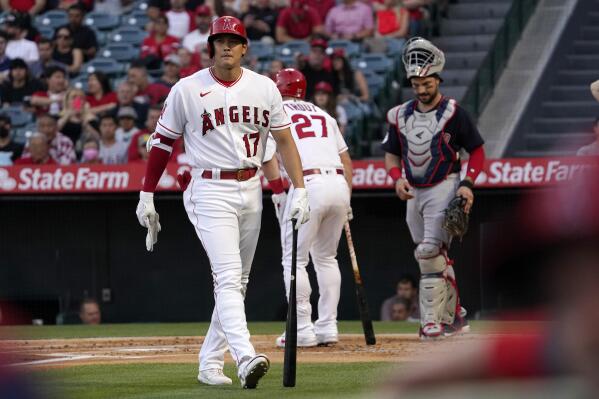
<point x="424" y="139"/>
<point x="328" y="177"/>
<point x="224" y="114"/>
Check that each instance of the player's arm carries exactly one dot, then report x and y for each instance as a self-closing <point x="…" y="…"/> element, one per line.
<point x="272" y="173"/>
<point x="291" y="159"/>
<point x="348" y="169"/>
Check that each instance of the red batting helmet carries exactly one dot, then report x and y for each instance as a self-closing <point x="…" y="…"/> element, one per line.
<point x="291" y="83"/>
<point x="225" y="25"/>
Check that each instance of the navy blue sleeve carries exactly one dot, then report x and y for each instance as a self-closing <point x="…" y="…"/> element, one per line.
<point x="467" y="134"/>
<point x="391" y="141"/>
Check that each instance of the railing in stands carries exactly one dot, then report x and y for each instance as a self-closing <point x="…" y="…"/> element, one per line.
<point x="488" y="74"/>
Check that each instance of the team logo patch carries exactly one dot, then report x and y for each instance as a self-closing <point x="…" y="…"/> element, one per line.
<point x="207" y="124"/>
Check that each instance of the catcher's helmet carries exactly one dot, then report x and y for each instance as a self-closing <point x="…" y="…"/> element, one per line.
<point x="421" y="58"/>
<point x="291" y="83"/>
<point x="225" y="25"/>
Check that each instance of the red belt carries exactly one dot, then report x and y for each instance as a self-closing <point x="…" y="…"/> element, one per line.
<point x="239" y="174"/>
<point x="309" y="172"/>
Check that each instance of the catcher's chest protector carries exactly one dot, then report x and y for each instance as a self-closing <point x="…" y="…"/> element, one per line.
<point x="428" y="158"/>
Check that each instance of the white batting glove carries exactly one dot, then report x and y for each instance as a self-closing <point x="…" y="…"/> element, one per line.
<point x="149" y="143"/>
<point x="300" y="208"/>
<point x="279" y="201"/>
<point x="350" y="214"/>
<point x="148" y="218"/>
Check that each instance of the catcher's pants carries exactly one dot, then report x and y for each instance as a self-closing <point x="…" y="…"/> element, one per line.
<point x="425" y="214"/>
<point x="328" y="196"/>
<point x="226" y="215"/>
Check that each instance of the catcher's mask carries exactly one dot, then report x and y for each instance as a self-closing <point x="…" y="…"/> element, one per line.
<point x="421" y="58"/>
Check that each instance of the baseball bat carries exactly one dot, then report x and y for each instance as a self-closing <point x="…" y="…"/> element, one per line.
<point x="360" y="291"/>
<point x="290" y="360"/>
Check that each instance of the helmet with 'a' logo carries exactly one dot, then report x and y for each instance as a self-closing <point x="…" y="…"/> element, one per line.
<point x="225" y="25"/>
<point x="291" y="83"/>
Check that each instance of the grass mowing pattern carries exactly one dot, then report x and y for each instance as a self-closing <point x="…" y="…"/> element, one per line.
<point x="175" y="381"/>
<point x="185" y="329"/>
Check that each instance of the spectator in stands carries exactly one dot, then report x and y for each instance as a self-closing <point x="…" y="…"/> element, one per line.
<point x="50" y="101"/>
<point x="65" y="53"/>
<point x="141" y="148"/>
<point x="90" y="153"/>
<point x="349" y="83"/>
<point x="151" y="93"/>
<point x="100" y="96"/>
<point x="195" y="40"/>
<point x="126" y="98"/>
<point x="260" y="21"/>
<point x="157" y="7"/>
<point x="322" y="7"/>
<point x="180" y="20"/>
<point x="19" y="87"/>
<point x="133" y="152"/>
<point x="172" y="68"/>
<point x="31" y="7"/>
<point x="75" y="117"/>
<point x="158" y="45"/>
<point x="126" y="118"/>
<point x="392" y="20"/>
<point x="18" y="46"/>
<point x="418" y="14"/>
<point x="4" y="60"/>
<point x="205" y="60"/>
<point x="316" y="68"/>
<point x="113" y="7"/>
<point x="37" y="152"/>
<point x="112" y="151"/>
<point x="351" y="20"/>
<point x="298" y="21"/>
<point x="45" y="48"/>
<point x="61" y="147"/>
<point x="190" y="63"/>
<point x="400" y="310"/>
<point x="593" y="148"/>
<point x="407" y="290"/>
<point x="235" y="8"/>
<point x="325" y="99"/>
<point x="274" y="68"/>
<point x="84" y="37"/>
<point x="89" y="312"/>
<point x="10" y="150"/>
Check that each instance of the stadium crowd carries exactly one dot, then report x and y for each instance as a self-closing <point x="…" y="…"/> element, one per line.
<point x="62" y="103"/>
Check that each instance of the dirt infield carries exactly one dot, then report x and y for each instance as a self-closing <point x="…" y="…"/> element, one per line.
<point x="351" y="348"/>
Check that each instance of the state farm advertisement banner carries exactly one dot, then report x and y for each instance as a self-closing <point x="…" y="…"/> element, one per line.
<point x="368" y="174"/>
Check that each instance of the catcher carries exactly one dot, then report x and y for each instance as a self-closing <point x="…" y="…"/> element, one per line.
<point x="424" y="139"/>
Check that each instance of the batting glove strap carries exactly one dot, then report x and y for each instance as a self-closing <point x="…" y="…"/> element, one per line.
<point x="300" y="208"/>
<point x="279" y="201"/>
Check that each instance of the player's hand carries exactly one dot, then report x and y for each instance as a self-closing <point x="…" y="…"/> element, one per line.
<point x="183" y="179"/>
<point x="402" y="189"/>
<point x="469" y="195"/>
<point x="350" y="214"/>
<point x="279" y="201"/>
<point x="148" y="218"/>
<point x="300" y="208"/>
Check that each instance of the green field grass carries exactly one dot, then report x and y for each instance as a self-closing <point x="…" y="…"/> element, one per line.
<point x="176" y="381"/>
<point x="185" y="329"/>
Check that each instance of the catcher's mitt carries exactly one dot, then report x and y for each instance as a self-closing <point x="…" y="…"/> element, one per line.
<point x="456" y="220"/>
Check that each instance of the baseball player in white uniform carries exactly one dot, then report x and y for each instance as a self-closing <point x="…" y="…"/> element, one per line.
<point x="224" y="113"/>
<point x="424" y="139"/>
<point x="328" y="176"/>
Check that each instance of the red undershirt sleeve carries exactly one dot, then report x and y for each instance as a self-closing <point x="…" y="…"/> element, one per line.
<point x="156" y="163"/>
<point x="475" y="163"/>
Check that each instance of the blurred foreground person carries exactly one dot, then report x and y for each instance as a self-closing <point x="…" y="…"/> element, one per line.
<point x="554" y="237"/>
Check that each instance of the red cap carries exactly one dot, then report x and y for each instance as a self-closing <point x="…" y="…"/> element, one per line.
<point x="339" y="52"/>
<point x="291" y="83"/>
<point x="203" y="10"/>
<point x="319" y="43"/>
<point x="323" y="86"/>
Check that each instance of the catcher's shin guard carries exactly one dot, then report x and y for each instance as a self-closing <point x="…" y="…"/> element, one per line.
<point x="434" y="290"/>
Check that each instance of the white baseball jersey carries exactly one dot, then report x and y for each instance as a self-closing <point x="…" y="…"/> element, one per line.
<point x="224" y="124"/>
<point x="317" y="136"/>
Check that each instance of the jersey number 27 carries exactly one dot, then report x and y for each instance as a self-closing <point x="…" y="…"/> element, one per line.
<point x="303" y="129"/>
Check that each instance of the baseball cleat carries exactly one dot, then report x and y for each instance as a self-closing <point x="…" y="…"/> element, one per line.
<point x="327" y="339"/>
<point x="459" y="326"/>
<point x="303" y="341"/>
<point x="431" y="331"/>
<point x="214" y="377"/>
<point x="251" y="369"/>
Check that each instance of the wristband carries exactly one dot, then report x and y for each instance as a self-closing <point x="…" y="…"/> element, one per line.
<point x="276" y="185"/>
<point x="395" y="173"/>
<point x="466" y="183"/>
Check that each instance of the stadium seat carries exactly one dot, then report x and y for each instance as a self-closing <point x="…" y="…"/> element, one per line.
<point x="375" y="84"/>
<point x="47" y="32"/>
<point x="122" y="52"/>
<point x="351" y="49"/>
<point x="22" y="134"/>
<point x="128" y="34"/>
<point x="376" y="62"/>
<point x="262" y="51"/>
<point x="136" y="18"/>
<point x="102" y="21"/>
<point x="52" y="19"/>
<point x="394" y="46"/>
<point x="101" y="37"/>
<point x="18" y="116"/>
<point x="80" y="82"/>
<point x="293" y="47"/>
<point x="108" y="66"/>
